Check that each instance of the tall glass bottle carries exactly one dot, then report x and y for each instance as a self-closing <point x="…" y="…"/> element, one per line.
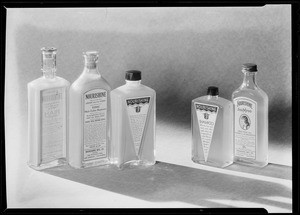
<point x="250" y="120"/>
<point x="47" y="115"/>
<point x="89" y="122"/>
<point x="212" y="129"/>
<point x="133" y="122"/>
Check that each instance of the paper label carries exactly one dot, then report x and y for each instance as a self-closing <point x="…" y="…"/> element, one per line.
<point x="52" y="123"/>
<point x="245" y="127"/>
<point x="206" y="115"/>
<point x="137" y="109"/>
<point x="94" y="129"/>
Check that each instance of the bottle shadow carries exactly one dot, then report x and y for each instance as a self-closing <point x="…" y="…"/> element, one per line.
<point x="169" y="182"/>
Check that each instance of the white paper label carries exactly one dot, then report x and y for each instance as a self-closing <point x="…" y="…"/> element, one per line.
<point x="206" y="115"/>
<point x="137" y="109"/>
<point x="52" y="123"/>
<point x="245" y="127"/>
<point x="94" y="129"/>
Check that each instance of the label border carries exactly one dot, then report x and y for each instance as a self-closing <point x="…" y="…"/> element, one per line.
<point x="199" y="126"/>
<point x="83" y="162"/>
<point x="139" y="154"/>
<point x="253" y="101"/>
<point x="40" y="146"/>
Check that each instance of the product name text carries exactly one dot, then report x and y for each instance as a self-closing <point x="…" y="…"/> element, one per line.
<point x="245" y="103"/>
<point x="52" y="97"/>
<point x="138" y="101"/>
<point x="206" y="108"/>
<point x="95" y="95"/>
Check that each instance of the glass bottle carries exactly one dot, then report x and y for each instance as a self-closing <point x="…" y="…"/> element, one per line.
<point x="89" y="122"/>
<point x="133" y="123"/>
<point x="250" y="120"/>
<point x="212" y="129"/>
<point x="47" y="115"/>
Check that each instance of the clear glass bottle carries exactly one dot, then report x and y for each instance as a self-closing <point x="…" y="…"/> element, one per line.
<point x="250" y="120"/>
<point x="212" y="129"/>
<point x="47" y="115"/>
<point x="133" y="123"/>
<point x="89" y="119"/>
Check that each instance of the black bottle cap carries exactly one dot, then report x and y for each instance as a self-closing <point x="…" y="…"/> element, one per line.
<point x="212" y="91"/>
<point x="249" y="67"/>
<point x="133" y="75"/>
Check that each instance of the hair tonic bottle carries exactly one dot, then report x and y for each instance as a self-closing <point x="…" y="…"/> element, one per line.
<point x="47" y="115"/>
<point x="250" y="120"/>
<point x="133" y="123"/>
<point x="89" y="122"/>
<point x="212" y="129"/>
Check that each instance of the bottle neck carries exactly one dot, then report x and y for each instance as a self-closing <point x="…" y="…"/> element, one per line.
<point x="133" y="83"/>
<point x="49" y="67"/>
<point x="91" y="68"/>
<point x="212" y="97"/>
<point x="249" y="79"/>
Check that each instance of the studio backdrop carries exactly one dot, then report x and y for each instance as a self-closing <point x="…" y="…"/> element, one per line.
<point x="180" y="51"/>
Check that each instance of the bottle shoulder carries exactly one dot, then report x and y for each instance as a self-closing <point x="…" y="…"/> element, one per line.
<point x="263" y="93"/>
<point x="254" y="94"/>
<point x="220" y="102"/>
<point x="133" y="91"/>
<point x="62" y="80"/>
<point x="42" y="83"/>
<point x="87" y="82"/>
<point x="148" y="88"/>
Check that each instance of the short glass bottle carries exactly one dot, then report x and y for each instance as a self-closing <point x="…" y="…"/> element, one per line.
<point x="212" y="130"/>
<point x="47" y="115"/>
<point x="89" y="121"/>
<point x="250" y="120"/>
<point x="133" y="123"/>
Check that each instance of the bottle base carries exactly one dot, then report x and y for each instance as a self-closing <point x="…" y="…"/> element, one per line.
<point x="212" y="163"/>
<point x="52" y="164"/>
<point x="135" y="164"/>
<point x="248" y="162"/>
<point x="94" y="163"/>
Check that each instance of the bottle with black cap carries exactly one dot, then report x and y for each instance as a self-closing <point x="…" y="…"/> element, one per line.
<point x="89" y="119"/>
<point x="212" y="129"/>
<point x="133" y="123"/>
<point x="250" y="120"/>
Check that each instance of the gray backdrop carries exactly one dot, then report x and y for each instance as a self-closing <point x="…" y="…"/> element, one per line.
<point x="180" y="51"/>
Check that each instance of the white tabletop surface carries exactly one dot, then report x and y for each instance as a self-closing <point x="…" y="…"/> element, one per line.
<point x="175" y="181"/>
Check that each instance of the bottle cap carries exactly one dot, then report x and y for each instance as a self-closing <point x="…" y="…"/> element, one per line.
<point x="133" y="75"/>
<point x="48" y="49"/>
<point x="249" y="67"/>
<point x="212" y="91"/>
<point x="48" y="52"/>
<point x="91" y="56"/>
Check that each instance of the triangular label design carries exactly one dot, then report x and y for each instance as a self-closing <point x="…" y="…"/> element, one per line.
<point x="207" y="115"/>
<point x="137" y="109"/>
